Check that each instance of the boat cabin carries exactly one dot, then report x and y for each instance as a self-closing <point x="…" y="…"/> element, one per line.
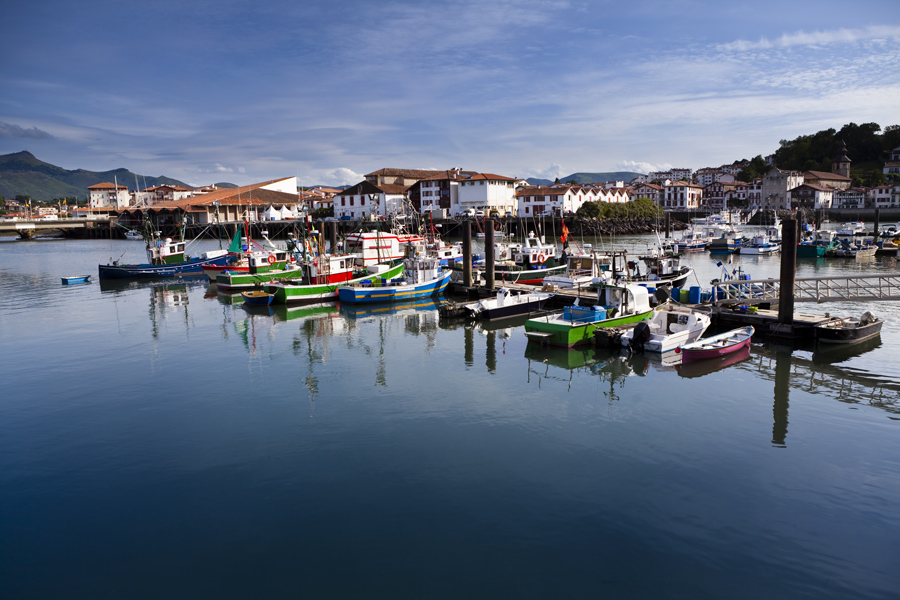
<point x="264" y="262"/>
<point x="627" y="299"/>
<point x="165" y="252"/>
<point x="374" y="246"/>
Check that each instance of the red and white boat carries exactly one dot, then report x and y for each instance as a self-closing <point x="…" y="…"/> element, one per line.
<point x="717" y="345"/>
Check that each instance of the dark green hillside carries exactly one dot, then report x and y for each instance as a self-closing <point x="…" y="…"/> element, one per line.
<point x="867" y="147"/>
<point x="23" y="173"/>
<point x="625" y="176"/>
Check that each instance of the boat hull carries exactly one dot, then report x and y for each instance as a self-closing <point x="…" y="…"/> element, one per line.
<point x="512" y="306"/>
<point x="555" y="331"/>
<point x="717" y="345"/>
<point x="233" y="280"/>
<point x="849" y="334"/>
<point x="288" y="293"/>
<point x="810" y="251"/>
<point x="193" y="266"/>
<point x="76" y="279"/>
<point x="394" y="293"/>
<point x="529" y="276"/>
<point x="257" y="297"/>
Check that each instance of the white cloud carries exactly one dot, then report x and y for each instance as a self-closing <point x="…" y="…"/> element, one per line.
<point x="10" y="130"/>
<point x="641" y="167"/>
<point x="815" y="38"/>
<point x="333" y="178"/>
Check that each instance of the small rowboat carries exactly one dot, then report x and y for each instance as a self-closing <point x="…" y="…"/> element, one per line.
<point x="258" y="297"/>
<point x="717" y="345"/>
<point x="76" y="279"/>
<point x="849" y="330"/>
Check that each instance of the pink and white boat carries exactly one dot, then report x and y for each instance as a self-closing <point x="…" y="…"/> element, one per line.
<point x="717" y="345"/>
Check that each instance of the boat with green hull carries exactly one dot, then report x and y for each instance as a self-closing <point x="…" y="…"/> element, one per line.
<point x="616" y="305"/>
<point x="316" y="287"/>
<point x="262" y="270"/>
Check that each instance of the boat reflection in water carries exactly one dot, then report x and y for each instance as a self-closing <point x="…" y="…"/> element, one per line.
<point x="289" y="312"/>
<point x="711" y="365"/>
<point x="612" y="365"/>
<point x="361" y="311"/>
<point x="826" y="354"/>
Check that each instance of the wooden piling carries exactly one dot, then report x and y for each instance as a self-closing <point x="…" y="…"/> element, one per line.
<point x="467" y="254"/>
<point x="489" y="254"/>
<point x="789" y="233"/>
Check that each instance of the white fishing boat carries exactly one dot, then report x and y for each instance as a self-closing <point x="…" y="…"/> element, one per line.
<point x="506" y="304"/>
<point x="670" y="326"/>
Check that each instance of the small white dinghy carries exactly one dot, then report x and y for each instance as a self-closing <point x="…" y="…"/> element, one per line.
<point x="670" y="326"/>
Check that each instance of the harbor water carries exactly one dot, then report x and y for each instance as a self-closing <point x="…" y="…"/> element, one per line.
<point x="161" y="440"/>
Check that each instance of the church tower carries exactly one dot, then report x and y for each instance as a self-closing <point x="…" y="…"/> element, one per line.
<point x="841" y="163"/>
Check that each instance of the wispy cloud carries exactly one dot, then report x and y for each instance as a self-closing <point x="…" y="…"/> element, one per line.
<point x="14" y="131"/>
<point x="815" y="38"/>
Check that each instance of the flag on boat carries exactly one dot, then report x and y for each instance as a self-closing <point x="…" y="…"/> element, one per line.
<point x="565" y="232"/>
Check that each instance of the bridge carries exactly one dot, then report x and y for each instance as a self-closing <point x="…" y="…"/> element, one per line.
<point x="28" y="228"/>
<point x="810" y="289"/>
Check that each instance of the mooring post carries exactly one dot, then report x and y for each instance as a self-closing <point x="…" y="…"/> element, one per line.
<point x="788" y="271"/>
<point x="877" y="224"/>
<point x="467" y="254"/>
<point x="489" y="254"/>
<point x="668" y="225"/>
<point x="333" y="230"/>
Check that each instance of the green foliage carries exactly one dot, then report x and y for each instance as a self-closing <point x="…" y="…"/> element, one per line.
<point x="756" y="168"/>
<point x="866" y="146"/>
<point x="640" y="208"/>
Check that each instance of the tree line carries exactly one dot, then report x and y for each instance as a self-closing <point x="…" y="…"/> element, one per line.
<point x="868" y="147"/>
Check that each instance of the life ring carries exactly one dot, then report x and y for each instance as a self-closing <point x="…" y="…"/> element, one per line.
<point x="271" y="259"/>
<point x="541" y="258"/>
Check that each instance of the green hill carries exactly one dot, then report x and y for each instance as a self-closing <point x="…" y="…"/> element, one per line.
<point x="625" y="176"/>
<point x="22" y="173"/>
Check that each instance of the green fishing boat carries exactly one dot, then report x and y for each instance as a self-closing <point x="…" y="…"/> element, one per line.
<point x="575" y="325"/>
<point x="262" y="269"/>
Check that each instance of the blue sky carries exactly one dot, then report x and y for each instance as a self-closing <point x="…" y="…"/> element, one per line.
<point x="229" y="90"/>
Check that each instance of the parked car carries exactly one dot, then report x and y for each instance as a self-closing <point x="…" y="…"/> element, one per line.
<point x="479" y="213"/>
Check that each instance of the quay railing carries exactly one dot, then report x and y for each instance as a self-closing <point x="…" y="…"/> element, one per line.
<point x="810" y="289"/>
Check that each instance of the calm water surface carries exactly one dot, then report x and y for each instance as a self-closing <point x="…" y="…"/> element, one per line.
<point x="159" y="440"/>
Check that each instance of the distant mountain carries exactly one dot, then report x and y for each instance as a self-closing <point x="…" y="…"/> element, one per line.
<point x="224" y="185"/>
<point x="625" y="176"/>
<point x="22" y="173"/>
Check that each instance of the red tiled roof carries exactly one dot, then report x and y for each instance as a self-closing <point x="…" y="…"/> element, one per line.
<point x="106" y="186"/>
<point x="824" y="175"/>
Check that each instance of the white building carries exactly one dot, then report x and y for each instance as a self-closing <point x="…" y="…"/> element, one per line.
<point x="165" y="193"/>
<point x="367" y="200"/>
<point x="108" y="195"/>
<point x="487" y="192"/>
<point x="881" y="197"/>
<point x="893" y="163"/>
<point x="810" y="195"/>
<point x="682" y="195"/>
<point x="851" y="198"/>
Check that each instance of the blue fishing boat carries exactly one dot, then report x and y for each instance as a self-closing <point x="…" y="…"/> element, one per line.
<point x="257" y="297"/>
<point x="422" y="278"/>
<point x="76" y="279"/>
<point x="166" y="259"/>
